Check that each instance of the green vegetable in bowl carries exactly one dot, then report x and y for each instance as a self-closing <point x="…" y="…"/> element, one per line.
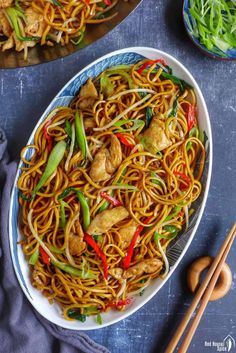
<point x="213" y="23"/>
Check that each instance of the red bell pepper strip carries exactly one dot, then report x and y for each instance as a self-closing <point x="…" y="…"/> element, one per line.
<point x="45" y="258"/>
<point x="128" y="257"/>
<point x="111" y="199"/>
<point x="108" y="2"/>
<point x="46" y="136"/>
<point x="119" y="303"/>
<point x="185" y="178"/>
<point x="191" y="117"/>
<point x="90" y="241"/>
<point x="149" y="63"/>
<point x="124" y="140"/>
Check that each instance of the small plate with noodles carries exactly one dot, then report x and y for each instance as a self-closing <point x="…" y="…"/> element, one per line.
<point x="110" y="189"/>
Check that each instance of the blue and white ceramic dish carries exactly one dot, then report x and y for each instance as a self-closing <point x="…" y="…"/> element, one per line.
<point x="187" y="17"/>
<point x="177" y="249"/>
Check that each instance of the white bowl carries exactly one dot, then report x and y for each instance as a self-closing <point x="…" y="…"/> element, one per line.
<point x="176" y="250"/>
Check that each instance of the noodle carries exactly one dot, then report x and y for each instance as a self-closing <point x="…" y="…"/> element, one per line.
<point x="24" y="23"/>
<point x="97" y="220"/>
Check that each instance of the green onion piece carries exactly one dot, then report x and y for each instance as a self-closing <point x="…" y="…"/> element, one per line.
<point x="71" y="270"/>
<point x="68" y="128"/>
<point x="34" y="257"/>
<point x="136" y="125"/>
<point x="99" y="319"/>
<point x="106" y="85"/>
<point x="80" y="135"/>
<point x="85" y="209"/>
<point x="56" y="250"/>
<point x="181" y="83"/>
<point x="171" y="229"/>
<point x="149" y="115"/>
<point x="80" y="39"/>
<point x="63" y="214"/>
<point x="15" y="15"/>
<point x="75" y="314"/>
<point x="54" y="160"/>
<point x="174" y="213"/>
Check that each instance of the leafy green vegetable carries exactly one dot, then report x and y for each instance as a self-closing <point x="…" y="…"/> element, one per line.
<point x="79" y="39"/>
<point x="174" y="213"/>
<point x="181" y="83"/>
<point x="75" y="314"/>
<point x="57" y="3"/>
<point x="174" y="108"/>
<point x="149" y="115"/>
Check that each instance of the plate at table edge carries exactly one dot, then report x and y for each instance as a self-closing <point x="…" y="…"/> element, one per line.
<point x="177" y="249"/>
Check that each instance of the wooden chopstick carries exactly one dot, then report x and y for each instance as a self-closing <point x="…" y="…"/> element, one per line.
<point x="212" y="275"/>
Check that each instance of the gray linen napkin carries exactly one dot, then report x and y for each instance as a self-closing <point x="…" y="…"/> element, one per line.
<point x="22" y="330"/>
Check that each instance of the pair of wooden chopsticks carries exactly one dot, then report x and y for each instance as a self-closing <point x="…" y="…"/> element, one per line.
<point x="202" y="295"/>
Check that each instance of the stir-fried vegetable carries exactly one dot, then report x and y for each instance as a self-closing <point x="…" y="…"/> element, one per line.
<point x="181" y="83"/>
<point x="150" y="63"/>
<point x="80" y="134"/>
<point x="90" y="241"/>
<point x="124" y="140"/>
<point x="84" y="208"/>
<point x="75" y="314"/>
<point x="128" y="257"/>
<point x="15" y="16"/>
<point x="54" y="160"/>
<point x="110" y="199"/>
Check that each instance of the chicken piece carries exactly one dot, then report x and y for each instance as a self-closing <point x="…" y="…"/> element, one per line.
<point x="154" y="138"/>
<point x="146" y="266"/>
<point x="35" y="24"/>
<point x="89" y="123"/>
<point x="8" y="44"/>
<point x="106" y="219"/>
<point x="89" y="94"/>
<point x="5" y="3"/>
<point x="5" y="26"/>
<point x="127" y="234"/>
<point x="106" y="161"/>
<point x="76" y="244"/>
<point x="115" y="155"/>
<point x="98" y="168"/>
<point x="116" y="273"/>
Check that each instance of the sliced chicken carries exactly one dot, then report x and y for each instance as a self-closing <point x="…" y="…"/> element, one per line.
<point x="8" y="44"/>
<point x="76" y="244"/>
<point x="146" y="266"/>
<point x="107" y="219"/>
<point x="116" y="273"/>
<point x="5" y="3"/>
<point x="35" y="24"/>
<point x="5" y="26"/>
<point x="106" y="161"/>
<point x="154" y="138"/>
<point x="126" y="235"/>
<point x="89" y="94"/>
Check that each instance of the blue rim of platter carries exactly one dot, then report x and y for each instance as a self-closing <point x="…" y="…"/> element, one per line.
<point x="179" y="246"/>
<point x="229" y="55"/>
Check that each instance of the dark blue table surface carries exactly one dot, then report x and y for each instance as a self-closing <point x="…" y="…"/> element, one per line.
<point x="24" y="95"/>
